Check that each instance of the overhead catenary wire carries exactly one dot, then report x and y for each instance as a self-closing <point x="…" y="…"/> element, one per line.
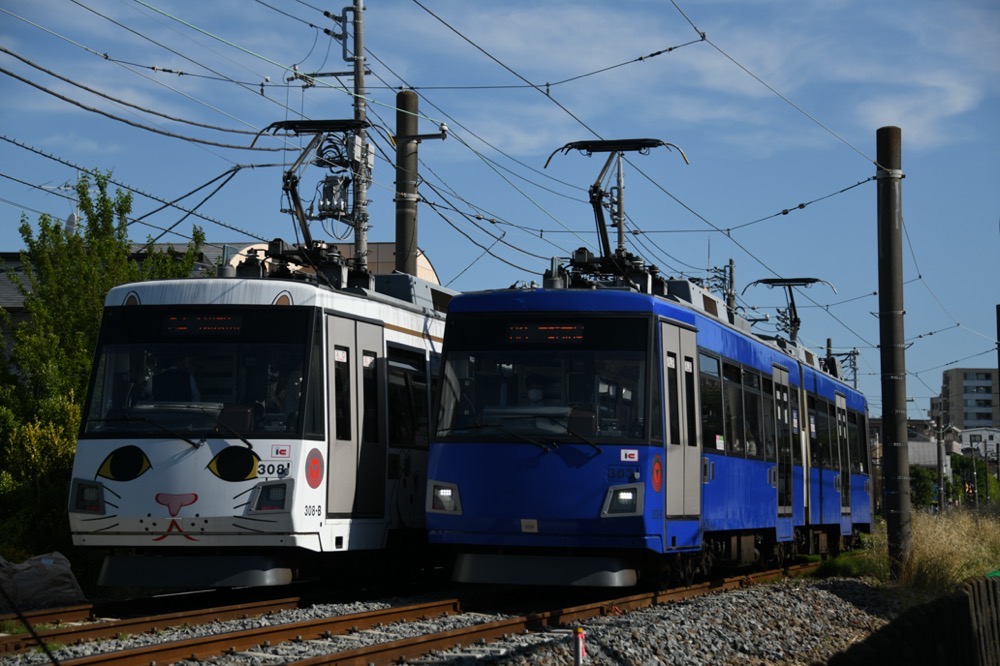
<point x="702" y="36"/>
<point x="129" y="220"/>
<point x="122" y="102"/>
<point x="648" y="231"/>
<point x="154" y="130"/>
<point x="131" y="188"/>
<point x="129" y="66"/>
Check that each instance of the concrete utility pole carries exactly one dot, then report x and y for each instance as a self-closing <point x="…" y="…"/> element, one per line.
<point x="889" y="176"/>
<point x="360" y="158"/>
<point x="406" y="181"/>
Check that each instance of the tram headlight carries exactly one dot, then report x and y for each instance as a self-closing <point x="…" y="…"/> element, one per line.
<point x="623" y="501"/>
<point x="88" y="497"/>
<point x="272" y="497"/>
<point x="443" y="498"/>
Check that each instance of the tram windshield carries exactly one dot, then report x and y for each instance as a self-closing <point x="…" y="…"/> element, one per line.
<point x="194" y="371"/>
<point x="545" y="377"/>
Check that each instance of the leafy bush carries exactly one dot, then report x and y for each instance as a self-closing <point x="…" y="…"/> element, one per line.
<point x="34" y="481"/>
<point x="45" y="358"/>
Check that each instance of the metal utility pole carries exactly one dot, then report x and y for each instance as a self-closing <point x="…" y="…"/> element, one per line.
<point x="730" y="287"/>
<point x="360" y="148"/>
<point x="940" y="430"/>
<point x="889" y="176"/>
<point x="940" y="470"/>
<point x="406" y="182"/>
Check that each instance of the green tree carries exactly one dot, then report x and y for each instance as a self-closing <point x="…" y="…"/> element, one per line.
<point x="66" y="274"/>
<point x="923" y="486"/>
<point x="971" y="478"/>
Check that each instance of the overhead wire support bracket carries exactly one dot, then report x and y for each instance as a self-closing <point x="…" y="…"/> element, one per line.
<point x="616" y="149"/>
<point x="297" y="127"/>
<point x="319" y="129"/>
<point x="290" y="184"/>
<point x="789" y="284"/>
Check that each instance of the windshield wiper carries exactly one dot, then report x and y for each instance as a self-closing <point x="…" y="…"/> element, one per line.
<point x="565" y="426"/>
<point x="506" y="431"/>
<point x="228" y="428"/>
<point x="144" y="419"/>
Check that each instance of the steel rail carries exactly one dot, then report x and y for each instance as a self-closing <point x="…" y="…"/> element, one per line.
<point x="410" y="648"/>
<point x="79" y="613"/>
<point x="211" y="646"/>
<point x="392" y="651"/>
<point x="97" y="628"/>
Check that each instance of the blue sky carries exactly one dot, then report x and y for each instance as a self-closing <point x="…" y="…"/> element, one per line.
<point x="778" y="106"/>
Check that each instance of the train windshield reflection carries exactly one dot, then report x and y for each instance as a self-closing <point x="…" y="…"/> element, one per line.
<point x="160" y="372"/>
<point x="545" y="378"/>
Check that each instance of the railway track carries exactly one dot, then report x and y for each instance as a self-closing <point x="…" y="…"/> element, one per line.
<point x="375" y="637"/>
<point x="79" y="623"/>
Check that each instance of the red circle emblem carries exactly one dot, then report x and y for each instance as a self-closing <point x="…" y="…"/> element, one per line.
<point x="314" y="468"/>
<point x="657" y="474"/>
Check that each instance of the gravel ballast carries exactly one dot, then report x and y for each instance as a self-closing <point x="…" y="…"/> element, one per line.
<point x="796" y="621"/>
<point x="792" y="622"/>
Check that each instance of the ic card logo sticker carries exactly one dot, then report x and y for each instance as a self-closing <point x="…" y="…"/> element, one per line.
<point x="280" y="451"/>
<point x="314" y="468"/>
<point x="630" y="455"/>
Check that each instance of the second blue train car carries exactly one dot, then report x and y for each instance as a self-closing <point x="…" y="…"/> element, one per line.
<point x="605" y="434"/>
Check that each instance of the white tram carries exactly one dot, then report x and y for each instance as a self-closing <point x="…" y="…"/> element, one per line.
<point x="238" y="428"/>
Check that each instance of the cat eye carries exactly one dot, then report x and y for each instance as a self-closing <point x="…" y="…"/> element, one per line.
<point x="124" y="464"/>
<point x="235" y="463"/>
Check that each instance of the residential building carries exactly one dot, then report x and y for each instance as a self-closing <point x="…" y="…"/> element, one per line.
<point x="969" y="399"/>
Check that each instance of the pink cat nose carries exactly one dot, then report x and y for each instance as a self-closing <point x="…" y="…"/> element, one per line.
<point x="175" y="502"/>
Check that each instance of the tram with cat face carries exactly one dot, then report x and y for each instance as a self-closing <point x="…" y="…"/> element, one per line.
<point x="237" y="430"/>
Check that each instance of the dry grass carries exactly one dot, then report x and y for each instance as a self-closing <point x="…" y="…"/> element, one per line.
<point x="946" y="550"/>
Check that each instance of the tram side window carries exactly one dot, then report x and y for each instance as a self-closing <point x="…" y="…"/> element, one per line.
<point x="369" y="389"/>
<point x="732" y="380"/>
<point x="863" y="453"/>
<point x="854" y="444"/>
<point x="408" y="399"/>
<point x="834" y="461"/>
<point x="796" y="425"/>
<point x="656" y="410"/>
<point x="823" y="425"/>
<point x="751" y="413"/>
<point x="814" y="453"/>
<point x="342" y="390"/>
<point x="713" y="437"/>
<point x="767" y="419"/>
<point x="673" y="403"/>
<point x="839" y="440"/>
<point x="689" y="400"/>
<point x="435" y="388"/>
<point x="314" y="420"/>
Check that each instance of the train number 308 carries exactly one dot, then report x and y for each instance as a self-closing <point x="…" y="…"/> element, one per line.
<point x="314" y="510"/>
<point x="272" y="469"/>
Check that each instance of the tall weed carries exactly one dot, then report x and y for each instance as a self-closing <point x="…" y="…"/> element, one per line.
<point x="945" y="551"/>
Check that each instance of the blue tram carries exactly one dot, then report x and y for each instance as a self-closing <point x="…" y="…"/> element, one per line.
<point x="596" y="436"/>
<point x="615" y="426"/>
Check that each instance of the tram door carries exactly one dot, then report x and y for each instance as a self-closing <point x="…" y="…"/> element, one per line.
<point x="683" y="441"/>
<point x="356" y="451"/>
<point x="842" y="460"/>
<point x="783" y="429"/>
